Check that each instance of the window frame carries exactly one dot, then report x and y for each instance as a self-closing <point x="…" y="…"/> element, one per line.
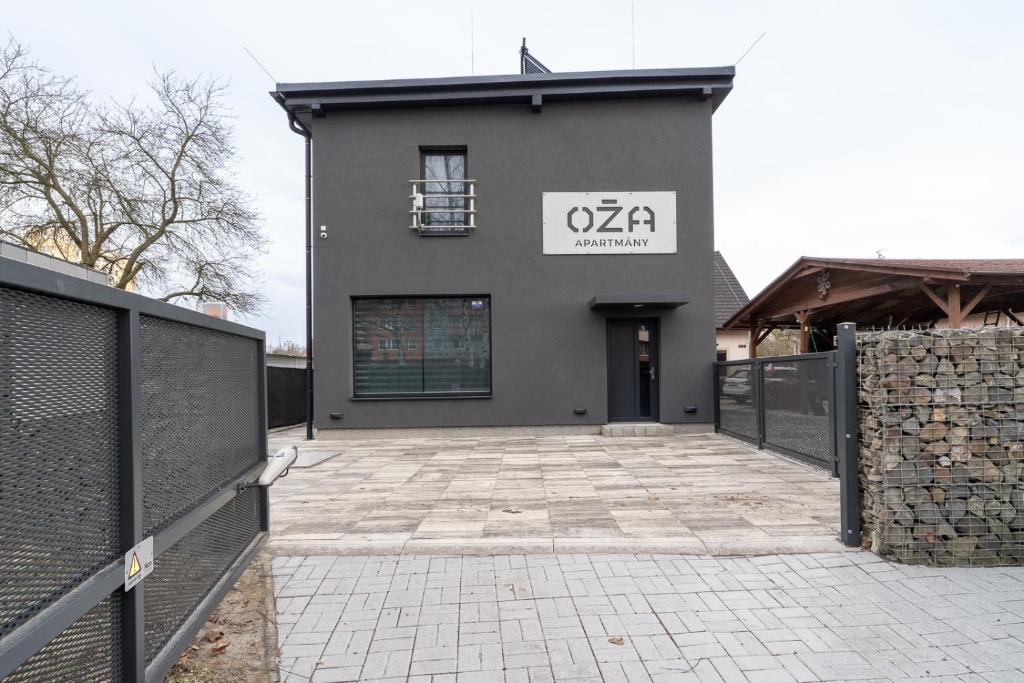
<point x="423" y="396"/>
<point x="446" y="150"/>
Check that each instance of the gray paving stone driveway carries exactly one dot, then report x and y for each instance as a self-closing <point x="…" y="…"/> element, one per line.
<point x="702" y="494"/>
<point x="532" y="618"/>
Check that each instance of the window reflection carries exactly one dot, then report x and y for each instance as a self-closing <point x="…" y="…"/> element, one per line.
<point x="408" y="346"/>
<point x="446" y="175"/>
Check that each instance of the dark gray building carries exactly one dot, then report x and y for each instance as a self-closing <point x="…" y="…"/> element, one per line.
<point x="503" y="251"/>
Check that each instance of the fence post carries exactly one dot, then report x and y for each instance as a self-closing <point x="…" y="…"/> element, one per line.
<point x="833" y="399"/>
<point x="847" y="434"/>
<point x="261" y="427"/>
<point x="718" y="394"/>
<point x="132" y="527"/>
<point x="758" y="401"/>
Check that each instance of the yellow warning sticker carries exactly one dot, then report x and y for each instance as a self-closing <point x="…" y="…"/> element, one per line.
<point x="138" y="563"/>
<point x="135" y="567"/>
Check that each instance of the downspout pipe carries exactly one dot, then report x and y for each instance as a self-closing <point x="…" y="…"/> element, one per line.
<point x="297" y="127"/>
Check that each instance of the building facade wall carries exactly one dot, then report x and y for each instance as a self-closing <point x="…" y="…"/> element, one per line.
<point x="733" y="344"/>
<point x="548" y="349"/>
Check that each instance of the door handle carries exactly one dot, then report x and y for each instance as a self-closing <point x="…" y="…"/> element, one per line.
<point x="651" y="370"/>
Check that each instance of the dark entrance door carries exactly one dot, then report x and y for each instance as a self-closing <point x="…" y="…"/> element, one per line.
<point x="632" y="370"/>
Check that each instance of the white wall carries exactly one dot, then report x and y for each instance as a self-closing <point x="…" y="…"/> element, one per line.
<point x="978" y="320"/>
<point x="733" y="342"/>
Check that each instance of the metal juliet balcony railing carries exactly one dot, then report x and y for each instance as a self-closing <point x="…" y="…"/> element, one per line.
<point x="443" y="206"/>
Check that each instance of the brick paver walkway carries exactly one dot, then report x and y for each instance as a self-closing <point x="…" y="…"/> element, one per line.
<point x="704" y="494"/>
<point x="532" y="618"/>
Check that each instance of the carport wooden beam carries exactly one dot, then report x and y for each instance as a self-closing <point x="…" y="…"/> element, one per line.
<point x="881" y="292"/>
<point x="951" y="306"/>
<point x="846" y="294"/>
<point x="757" y="336"/>
<point x="803" y="318"/>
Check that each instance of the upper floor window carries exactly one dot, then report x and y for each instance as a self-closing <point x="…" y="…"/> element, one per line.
<point x="443" y="195"/>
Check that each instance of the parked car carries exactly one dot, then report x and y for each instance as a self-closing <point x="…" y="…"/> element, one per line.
<point x="737" y="386"/>
<point x="788" y="389"/>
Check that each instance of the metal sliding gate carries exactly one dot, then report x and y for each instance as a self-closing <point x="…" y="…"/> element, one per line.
<point x="804" y="406"/>
<point x="121" y="418"/>
<point x="784" y="403"/>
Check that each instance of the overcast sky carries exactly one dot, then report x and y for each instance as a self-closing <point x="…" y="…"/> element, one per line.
<point x="852" y="127"/>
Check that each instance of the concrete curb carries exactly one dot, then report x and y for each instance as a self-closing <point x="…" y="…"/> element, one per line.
<point x="685" y="545"/>
<point x="648" y="430"/>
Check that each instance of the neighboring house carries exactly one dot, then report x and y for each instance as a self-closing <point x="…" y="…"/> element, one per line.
<point x="284" y="360"/>
<point x="512" y="251"/>
<point x="729" y="298"/>
<point x="35" y="258"/>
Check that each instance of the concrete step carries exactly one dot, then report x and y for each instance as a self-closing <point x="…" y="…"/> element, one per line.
<point x="637" y="429"/>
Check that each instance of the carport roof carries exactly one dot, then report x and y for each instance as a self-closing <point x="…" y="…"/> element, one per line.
<point x="884" y="292"/>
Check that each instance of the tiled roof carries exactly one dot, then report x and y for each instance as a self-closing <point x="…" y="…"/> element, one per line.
<point x="958" y="265"/>
<point x="775" y="302"/>
<point x="729" y="294"/>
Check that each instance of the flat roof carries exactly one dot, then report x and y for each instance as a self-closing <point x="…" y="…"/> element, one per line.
<point x="711" y="83"/>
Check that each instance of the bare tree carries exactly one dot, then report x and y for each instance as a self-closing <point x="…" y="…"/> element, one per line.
<point x="780" y="343"/>
<point x="287" y="347"/>
<point x="141" y="192"/>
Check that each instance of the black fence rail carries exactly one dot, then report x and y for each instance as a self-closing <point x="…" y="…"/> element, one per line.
<point x="121" y="418"/>
<point x="783" y="403"/>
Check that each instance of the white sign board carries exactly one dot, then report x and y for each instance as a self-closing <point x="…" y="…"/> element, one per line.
<point x="609" y="222"/>
<point x="138" y="563"/>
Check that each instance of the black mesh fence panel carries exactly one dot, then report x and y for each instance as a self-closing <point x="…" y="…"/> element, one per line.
<point x="184" y="574"/>
<point x="200" y="409"/>
<point x="61" y="418"/>
<point x="737" y="400"/>
<point x="797" y="397"/>
<point x="89" y="650"/>
<point x="286" y="396"/>
<point x="58" y="449"/>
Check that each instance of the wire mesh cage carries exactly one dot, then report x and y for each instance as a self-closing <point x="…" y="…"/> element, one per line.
<point x="942" y="444"/>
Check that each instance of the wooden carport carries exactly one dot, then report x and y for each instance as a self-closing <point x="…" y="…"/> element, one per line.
<point x="819" y="293"/>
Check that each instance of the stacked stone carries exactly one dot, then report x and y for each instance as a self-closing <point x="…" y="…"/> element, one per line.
<point x="942" y="445"/>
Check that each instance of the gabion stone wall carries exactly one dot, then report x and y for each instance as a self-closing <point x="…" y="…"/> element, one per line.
<point x="942" y="445"/>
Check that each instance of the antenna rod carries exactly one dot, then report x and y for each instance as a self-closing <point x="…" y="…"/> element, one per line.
<point x="472" y="45"/>
<point x="752" y="45"/>
<point x="632" y="28"/>
<point x="259" y="64"/>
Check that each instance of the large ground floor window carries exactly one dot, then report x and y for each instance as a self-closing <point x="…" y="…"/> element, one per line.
<point x="422" y="346"/>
